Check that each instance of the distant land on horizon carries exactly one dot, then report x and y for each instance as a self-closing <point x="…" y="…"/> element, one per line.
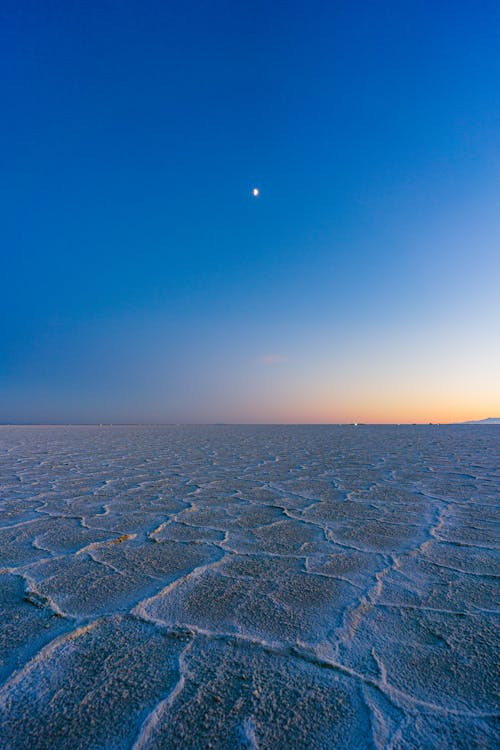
<point x="488" y="420"/>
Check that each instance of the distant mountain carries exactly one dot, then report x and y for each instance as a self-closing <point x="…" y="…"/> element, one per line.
<point x="489" y="420"/>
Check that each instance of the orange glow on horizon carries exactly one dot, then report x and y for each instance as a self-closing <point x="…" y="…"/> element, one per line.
<point x="398" y="410"/>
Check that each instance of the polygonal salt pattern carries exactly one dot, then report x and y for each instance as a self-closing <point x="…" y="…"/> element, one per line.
<point x="257" y="587"/>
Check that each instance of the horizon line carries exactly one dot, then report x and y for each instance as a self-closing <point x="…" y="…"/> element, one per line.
<point x="239" y="424"/>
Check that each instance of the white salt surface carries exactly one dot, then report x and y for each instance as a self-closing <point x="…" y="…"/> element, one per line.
<point x="248" y="587"/>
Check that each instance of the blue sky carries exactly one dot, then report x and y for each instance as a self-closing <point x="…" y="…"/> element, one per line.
<point x="142" y="281"/>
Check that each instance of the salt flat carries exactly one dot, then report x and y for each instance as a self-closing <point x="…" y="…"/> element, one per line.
<point x="253" y="587"/>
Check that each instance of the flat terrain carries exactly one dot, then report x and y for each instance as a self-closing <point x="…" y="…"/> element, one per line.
<point x="255" y="587"/>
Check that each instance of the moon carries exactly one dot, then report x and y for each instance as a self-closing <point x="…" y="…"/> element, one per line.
<point x="255" y="192"/>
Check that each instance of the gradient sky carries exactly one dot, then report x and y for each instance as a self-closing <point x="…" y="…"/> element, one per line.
<point x="141" y="281"/>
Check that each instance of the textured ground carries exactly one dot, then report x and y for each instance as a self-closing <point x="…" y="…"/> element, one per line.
<point x="253" y="587"/>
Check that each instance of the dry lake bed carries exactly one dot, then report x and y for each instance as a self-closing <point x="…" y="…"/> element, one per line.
<point x="249" y="587"/>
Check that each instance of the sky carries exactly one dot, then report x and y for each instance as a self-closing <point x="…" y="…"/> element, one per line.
<point x="143" y="282"/>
